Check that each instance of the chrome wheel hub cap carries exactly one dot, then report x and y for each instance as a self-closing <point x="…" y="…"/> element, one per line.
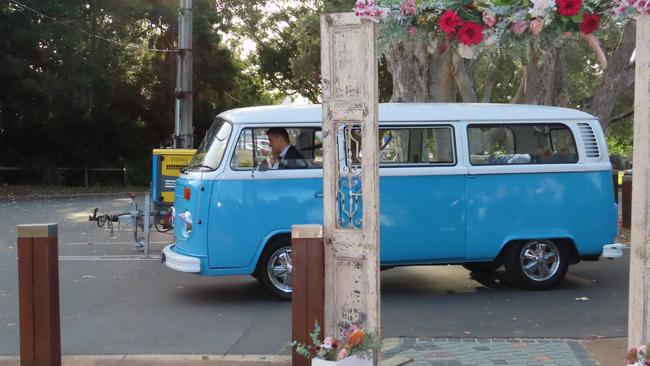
<point x="539" y="260"/>
<point x="279" y="269"/>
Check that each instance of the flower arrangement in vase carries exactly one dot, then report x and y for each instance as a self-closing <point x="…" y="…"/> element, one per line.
<point x="355" y="347"/>
<point x="638" y="356"/>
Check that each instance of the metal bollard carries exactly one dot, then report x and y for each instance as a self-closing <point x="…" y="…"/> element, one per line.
<point x="38" y="291"/>
<point x="308" y="285"/>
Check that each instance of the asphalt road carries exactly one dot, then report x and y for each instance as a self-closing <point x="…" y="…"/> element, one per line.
<point x="113" y="302"/>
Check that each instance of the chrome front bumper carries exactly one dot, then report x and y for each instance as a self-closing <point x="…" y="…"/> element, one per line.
<point x="180" y="262"/>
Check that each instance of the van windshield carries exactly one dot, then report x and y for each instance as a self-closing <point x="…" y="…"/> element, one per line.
<point x="210" y="152"/>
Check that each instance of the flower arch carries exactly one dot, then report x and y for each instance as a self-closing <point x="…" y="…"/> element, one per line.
<point x="472" y="25"/>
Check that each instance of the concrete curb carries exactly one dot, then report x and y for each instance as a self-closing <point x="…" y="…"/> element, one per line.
<point x="165" y="359"/>
<point x="70" y="195"/>
<point x="605" y="351"/>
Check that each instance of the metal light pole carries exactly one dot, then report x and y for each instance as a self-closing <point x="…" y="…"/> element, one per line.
<point x="183" y="131"/>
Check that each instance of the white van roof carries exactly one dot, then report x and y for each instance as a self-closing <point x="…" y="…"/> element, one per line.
<point x="412" y="112"/>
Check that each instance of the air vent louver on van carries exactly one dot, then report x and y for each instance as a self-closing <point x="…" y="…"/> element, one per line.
<point x="589" y="139"/>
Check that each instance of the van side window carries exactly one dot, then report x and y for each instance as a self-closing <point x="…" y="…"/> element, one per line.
<point x="431" y="145"/>
<point x="550" y="143"/>
<point x="253" y="147"/>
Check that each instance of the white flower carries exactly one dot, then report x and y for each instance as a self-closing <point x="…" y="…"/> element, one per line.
<point x="541" y="8"/>
<point x="466" y="51"/>
<point x="490" y="38"/>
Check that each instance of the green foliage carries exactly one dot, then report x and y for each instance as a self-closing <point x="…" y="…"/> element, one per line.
<point x="286" y="54"/>
<point x="73" y="100"/>
<point x="619" y="138"/>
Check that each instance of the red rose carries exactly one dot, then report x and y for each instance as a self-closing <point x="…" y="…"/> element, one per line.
<point x="589" y="23"/>
<point x="569" y="8"/>
<point x="449" y="21"/>
<point x="470" y="33"/>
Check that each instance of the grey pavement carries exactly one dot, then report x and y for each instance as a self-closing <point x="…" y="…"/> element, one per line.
<point x="130" y="305"/>
<point x="488" y="352"/>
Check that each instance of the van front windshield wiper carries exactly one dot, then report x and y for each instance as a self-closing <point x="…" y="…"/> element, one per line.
<point x="197" y="166"/>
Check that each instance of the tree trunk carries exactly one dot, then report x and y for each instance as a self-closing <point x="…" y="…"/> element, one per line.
<point x="408" y="63"/>
<point x="441" y="85"/>
<point x="463" y="80"/>
<point x="617" y="79"/>
<point x="543" y="81"/>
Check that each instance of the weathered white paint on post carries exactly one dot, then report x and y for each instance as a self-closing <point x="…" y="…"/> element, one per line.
<point x="639" y="310"/>
<point x="350" y="95"/>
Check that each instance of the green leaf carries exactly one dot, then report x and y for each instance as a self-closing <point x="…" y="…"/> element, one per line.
<point x="578" y="18"/>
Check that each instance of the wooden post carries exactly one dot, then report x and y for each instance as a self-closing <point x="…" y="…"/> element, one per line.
<point x="308" y="284"/>
<point x="626" y="201"/>
<point x="616" y="186"/>
<point x="38" y="292"/>
<point x="350" y="172"/>
<point x="639" y="308"/>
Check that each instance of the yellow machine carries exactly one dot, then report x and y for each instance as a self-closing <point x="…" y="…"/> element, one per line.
<point x="167" y="164"/>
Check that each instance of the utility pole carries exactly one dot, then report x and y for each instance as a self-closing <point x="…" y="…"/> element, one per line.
<point x="639" y="304"/>
<point x="351" y="183"/>
<point x="183" y="131"/>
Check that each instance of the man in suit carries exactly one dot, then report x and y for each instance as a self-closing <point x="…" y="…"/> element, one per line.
<point x="285" y="154"/>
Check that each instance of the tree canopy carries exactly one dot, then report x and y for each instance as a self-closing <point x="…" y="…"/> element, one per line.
<point x="91" y="83"/>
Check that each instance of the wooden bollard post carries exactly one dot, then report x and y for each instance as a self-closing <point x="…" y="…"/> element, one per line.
<point x="307" y="283"/>
<point x="615" y="183"/>
<point x="38" y="291"/>
<point x="626" y="200"/>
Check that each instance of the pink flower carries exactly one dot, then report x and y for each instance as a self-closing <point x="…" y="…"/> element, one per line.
<point x="536" y="25"/>
<point x="519" y="27"/>
<point x="408" y="7"/>
<point x="369" y="10"/>
<point x="489" y="18"/>
<point x="342" y="354"/>
<point x="411" y="29"/>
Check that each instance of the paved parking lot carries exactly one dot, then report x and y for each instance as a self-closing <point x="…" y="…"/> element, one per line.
<point x="113" y="301"/>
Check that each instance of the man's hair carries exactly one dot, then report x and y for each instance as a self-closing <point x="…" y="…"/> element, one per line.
<point x="278" y="131"/>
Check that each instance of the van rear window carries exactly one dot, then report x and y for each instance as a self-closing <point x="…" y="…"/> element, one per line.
<point x="501" y="144"/>
<point x="408" y="146"/>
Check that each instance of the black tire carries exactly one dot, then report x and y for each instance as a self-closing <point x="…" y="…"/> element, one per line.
<point x="482" y="267"/>
<point x="537" y="264"/>
<point x="277" y="252"/>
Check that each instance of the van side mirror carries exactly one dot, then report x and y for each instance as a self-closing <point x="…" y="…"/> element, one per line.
<point x="261" y="166"/>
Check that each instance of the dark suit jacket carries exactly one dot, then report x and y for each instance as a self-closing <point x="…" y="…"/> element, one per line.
<point x="293" y="159"/>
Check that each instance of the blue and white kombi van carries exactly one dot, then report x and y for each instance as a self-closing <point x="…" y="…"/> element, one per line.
<point x="482" y="185"/>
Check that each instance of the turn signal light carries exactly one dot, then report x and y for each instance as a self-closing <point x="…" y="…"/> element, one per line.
<point x="187" y="193"/>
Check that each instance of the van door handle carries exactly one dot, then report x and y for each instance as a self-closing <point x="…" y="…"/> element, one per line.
<point x="318" y="194"/>
<point x="471" y="176"/>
